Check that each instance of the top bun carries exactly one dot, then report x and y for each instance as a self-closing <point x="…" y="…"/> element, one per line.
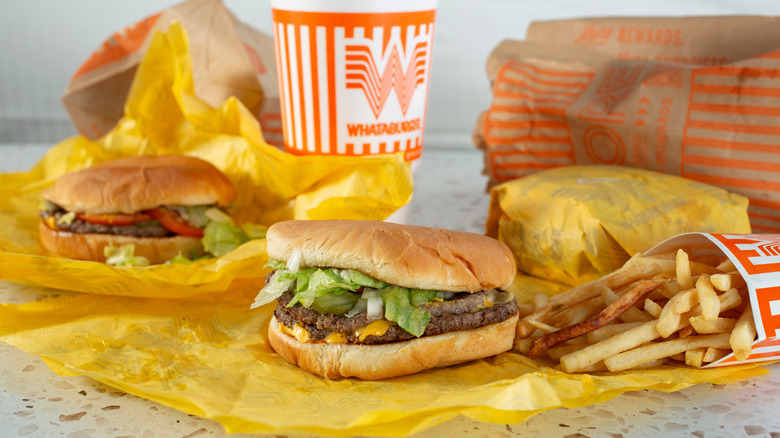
<point x="129" y="185"/>
<point x="402" y="255"/>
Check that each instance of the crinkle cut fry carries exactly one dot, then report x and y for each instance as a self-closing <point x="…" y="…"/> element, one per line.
<point x="640" y="290"/>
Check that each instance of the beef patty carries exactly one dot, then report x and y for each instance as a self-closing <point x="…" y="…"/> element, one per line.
<point x="143" y="229"/>
<point x="463" y="312"/>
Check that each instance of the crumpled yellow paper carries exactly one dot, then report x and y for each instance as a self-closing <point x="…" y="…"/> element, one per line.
<point x="573" y="224"/>
<point x="164" y="117"/>
<point x="209" y="356"/>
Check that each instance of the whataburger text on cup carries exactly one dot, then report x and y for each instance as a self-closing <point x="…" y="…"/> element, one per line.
<point x="354" y="74"/>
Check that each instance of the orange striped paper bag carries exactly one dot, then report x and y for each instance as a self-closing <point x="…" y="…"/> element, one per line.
<point x="556" y="105"/>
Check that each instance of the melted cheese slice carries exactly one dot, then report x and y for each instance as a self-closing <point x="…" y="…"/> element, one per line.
<point x="336" y="338"/>
<point x="298" y="332"/>
<point x="374" y="328"/>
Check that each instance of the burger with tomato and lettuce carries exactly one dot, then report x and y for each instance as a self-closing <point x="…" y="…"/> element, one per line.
<point x="139" y="210"/>
<point x="374" y="300"/>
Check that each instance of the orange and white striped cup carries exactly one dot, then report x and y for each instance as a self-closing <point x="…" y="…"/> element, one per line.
<point x="353" y="74"/>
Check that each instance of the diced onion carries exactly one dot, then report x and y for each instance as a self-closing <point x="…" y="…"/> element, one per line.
<point x="375" y="307"/>
<point x="359" y="307"/>
<point x="295" y="260"/>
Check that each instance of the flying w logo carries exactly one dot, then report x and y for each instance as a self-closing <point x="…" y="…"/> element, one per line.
<point x="362" y="73"/>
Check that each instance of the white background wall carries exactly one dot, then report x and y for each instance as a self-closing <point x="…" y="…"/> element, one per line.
<point x="42" y="42"/>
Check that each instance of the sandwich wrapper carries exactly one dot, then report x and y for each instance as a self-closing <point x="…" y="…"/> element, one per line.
<point x="574" y="224"/>
<point x="208" y="355"/>
<point x="163" y="116"/>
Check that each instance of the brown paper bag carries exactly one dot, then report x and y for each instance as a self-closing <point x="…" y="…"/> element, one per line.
<point x="557" y="105"/>
<point x="691" y="40"/>
<point x="229" y="58"/>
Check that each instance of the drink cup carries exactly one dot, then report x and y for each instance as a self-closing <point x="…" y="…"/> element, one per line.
<point x="354" y="75"/>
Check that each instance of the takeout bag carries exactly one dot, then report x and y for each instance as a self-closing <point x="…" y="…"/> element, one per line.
<point x="209" y="356"/>
<point x="229" y="57"/>
<point x="574" y="224"/>
<point x="165" y="116"/>
<point x="587" y="103"/>
<point x="687" y="40"/>
<point x="756" y="258"/>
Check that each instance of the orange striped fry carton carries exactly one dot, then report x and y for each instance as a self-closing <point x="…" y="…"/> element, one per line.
<point x="657" y="94"/>
<point x="757" y="258"/>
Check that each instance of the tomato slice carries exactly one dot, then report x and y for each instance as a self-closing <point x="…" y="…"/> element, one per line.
<point x="173" y="222"/>
<point x="113" y="219"/>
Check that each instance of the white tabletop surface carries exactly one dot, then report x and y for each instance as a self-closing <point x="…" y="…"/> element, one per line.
<point x="449" y="193"/>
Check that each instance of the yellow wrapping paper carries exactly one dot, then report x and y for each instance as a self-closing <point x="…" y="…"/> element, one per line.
<point x="208" y="356"/>
<point x="164" y="117"/>
<point x="574" y="224"/>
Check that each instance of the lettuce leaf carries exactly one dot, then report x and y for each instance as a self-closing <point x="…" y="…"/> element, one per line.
<point x="320" y="282"/>
<point x="123" y="256"/>
<point x="184" y="260"/>
<point x="399" y="308"/>
<point x="219" y="238"/>
<point x="331" y="290"/>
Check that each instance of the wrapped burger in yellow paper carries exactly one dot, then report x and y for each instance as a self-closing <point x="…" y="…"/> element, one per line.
<point x="209" y="356"/>
<point x="163" y="116"/>
<point x="574" y="224"/>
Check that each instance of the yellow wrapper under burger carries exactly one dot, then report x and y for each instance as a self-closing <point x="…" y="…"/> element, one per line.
<point x="574" y="224"/>
<point x="209" y="356"/>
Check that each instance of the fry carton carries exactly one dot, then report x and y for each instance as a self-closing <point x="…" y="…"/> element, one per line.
<point x="673" y="96"/>
<point x="229" y="58"/>
<point x="757" y="258"/>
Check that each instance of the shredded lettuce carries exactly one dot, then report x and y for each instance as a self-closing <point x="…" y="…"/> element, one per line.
<point x="123" y="256"/>
<point x="67" y="218"/>
<point x="44" y="205"/>
<point x="331" y="290"/>
<point x="217" y="215"/>
<point x="195" y="215"/>
<point x="318" y="283"/>
<point x="400" y="307"/>
<point x="184" y="260"/>
<point x="278" y="284"/>
<point x="362" y="279"/>
<point x="219" y="238"/>
<point x="275" y="264"/>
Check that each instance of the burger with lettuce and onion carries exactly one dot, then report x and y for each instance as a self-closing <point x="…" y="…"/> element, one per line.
<point x="140" y="210"/>
<point x="374" y="300"/>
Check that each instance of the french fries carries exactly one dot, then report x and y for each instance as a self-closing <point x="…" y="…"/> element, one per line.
<point x="653" y="310"/>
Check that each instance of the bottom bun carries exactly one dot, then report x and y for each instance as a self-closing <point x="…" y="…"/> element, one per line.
<point x="381" y="361"/>
<point x="90" y="246"/>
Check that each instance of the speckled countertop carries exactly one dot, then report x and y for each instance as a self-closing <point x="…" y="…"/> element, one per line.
<point x="36" y="402"/>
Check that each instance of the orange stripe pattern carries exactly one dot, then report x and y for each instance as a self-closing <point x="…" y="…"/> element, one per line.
<point x="732" y="135"/>
<point x="337" y="75"/>
<point x="525" y="129"/>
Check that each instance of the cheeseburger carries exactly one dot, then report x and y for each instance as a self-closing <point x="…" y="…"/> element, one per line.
<point x="158" y="204"/>
<point x="374" y="300"/>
